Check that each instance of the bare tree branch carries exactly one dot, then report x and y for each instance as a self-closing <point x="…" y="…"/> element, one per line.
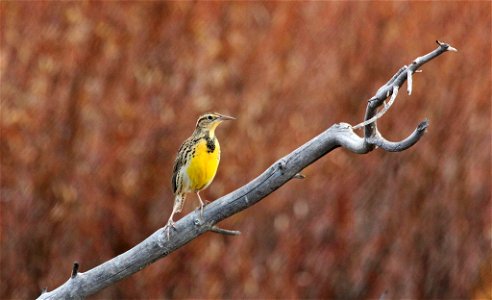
<point x="191" y="226"/>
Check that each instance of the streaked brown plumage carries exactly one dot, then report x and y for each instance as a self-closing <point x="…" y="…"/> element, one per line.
<point x="196" y="162"/>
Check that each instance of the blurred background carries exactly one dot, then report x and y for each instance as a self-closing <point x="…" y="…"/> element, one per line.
<point x="96" y="98"/>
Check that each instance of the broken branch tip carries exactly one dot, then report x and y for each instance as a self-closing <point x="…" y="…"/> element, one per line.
<point x="446" y="46"/>
<point x="423" y="125"/>
<point x="299" y="176"/>
<point x="75" y="269"/>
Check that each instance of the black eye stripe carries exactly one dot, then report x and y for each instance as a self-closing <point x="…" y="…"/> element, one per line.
<point x="206" y="118"/>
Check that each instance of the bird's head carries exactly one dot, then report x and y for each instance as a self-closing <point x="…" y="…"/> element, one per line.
<point x="210" y="121"/>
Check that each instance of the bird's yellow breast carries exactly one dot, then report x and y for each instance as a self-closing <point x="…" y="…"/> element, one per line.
<point x="203" y="165"/>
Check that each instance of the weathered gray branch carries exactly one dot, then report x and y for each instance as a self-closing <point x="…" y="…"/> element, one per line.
<point x="189" y="227"/>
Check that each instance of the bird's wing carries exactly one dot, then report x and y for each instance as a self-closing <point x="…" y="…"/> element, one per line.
<point x="178" y="162"/>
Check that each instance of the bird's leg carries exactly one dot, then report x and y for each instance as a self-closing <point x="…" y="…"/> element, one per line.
<point x="201" y="205"/>
<point x="177" y="207"/>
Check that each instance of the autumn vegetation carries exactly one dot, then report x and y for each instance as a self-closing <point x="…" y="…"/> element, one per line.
<point x="96" y="98"/>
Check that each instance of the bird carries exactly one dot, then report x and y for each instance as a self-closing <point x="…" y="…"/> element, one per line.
<point x="196" y="163"/>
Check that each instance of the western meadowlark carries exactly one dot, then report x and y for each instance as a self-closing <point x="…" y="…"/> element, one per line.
<point x="196" y="163"/>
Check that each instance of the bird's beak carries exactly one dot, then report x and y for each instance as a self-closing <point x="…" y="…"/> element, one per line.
<point x="225" y="118"/>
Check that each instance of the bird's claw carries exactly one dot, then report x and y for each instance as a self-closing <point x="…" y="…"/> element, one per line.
<point x="168" y="227"/>
<point x="202" y="207"/>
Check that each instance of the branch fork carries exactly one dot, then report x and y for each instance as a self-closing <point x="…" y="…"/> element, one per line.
<point x="372" y="136"/>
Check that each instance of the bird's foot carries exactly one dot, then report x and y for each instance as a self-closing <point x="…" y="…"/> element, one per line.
<point x="200" y="208"/>
<point x="167" y="228"/>
<point x="202" y="205"/>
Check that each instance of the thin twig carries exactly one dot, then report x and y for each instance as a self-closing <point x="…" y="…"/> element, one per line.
<point x="75" y="270"/>
<point x="409" y="81"/>
<point x="224" y="231"/>
<point x="382" y="111"/>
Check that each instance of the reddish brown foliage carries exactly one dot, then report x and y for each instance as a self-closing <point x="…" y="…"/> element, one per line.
<point x="96" y="98"/>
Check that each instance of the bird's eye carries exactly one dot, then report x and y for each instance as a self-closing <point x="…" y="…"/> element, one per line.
<point x="210" y="117"/>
